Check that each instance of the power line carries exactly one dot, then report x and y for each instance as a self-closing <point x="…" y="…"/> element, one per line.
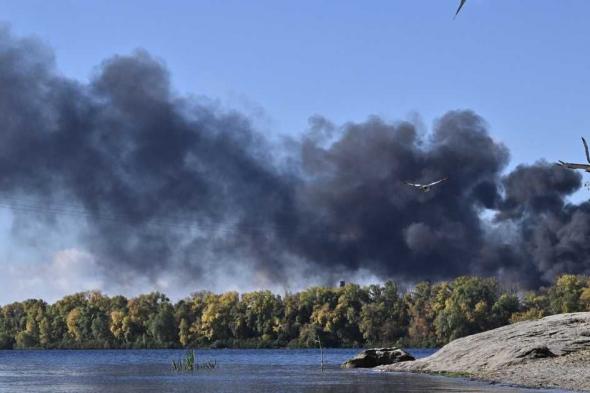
<point x="179" y="222"/>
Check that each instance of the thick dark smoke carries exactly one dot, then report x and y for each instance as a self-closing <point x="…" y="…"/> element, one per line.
<point x="551" y="236"/>
<point x="360" y="213"/>
<point x="166" y="184"/>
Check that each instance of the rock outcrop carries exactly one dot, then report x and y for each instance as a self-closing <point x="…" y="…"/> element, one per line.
<point x="378" y="356"/>
<point x="544" y="352"/>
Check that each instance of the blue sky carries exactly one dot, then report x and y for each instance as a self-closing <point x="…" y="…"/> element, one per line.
<point x="523" y="65"/>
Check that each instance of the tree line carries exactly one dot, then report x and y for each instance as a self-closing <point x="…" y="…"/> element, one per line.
<point x="429" y="315"/>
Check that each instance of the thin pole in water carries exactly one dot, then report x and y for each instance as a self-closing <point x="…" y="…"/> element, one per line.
<point x="321" y="353"/>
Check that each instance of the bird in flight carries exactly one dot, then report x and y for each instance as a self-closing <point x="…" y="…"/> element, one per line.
<point x="460" y="6"/>
<point x="571" y="165"/>
<point x="426" y="187"/>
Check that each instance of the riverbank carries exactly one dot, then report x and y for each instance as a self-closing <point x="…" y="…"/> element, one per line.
<point x="553" y="352"/>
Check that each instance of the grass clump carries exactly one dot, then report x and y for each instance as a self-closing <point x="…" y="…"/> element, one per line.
<point x="190" y="363"/>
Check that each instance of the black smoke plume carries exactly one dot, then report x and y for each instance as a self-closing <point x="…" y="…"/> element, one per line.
<point x="162" y="183"/>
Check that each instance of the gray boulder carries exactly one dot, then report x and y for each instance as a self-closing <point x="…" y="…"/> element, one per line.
<point x="378" y="357"/>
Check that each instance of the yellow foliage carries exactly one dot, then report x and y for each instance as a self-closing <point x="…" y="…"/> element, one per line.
<point x="585" y="299"/>
<point x="117" y="324"/>
<point x="528" y="315"/>
<point x="72" y="324"/>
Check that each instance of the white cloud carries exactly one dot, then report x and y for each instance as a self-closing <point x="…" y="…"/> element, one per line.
<point x="70" y="270"/>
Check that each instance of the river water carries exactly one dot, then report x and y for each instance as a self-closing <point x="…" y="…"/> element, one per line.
<point x="245" y="371"/>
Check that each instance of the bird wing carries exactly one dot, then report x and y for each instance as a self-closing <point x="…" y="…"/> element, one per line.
<point x="571" y="165"/>
<point x="413" y="184"/>
<point x="586" y="149"/>
<point x="437" y="181"/>
<point x="460" y="6"/>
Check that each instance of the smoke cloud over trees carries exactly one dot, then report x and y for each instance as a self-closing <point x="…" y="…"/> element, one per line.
<point x="164" y="183"/>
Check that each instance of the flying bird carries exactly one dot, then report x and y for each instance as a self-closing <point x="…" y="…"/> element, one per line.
<point x="460" y="6"/>
<point x="426" y="187"/>
<point x="571" y="165"/>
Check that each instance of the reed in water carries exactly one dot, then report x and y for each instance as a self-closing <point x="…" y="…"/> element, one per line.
<point x="190" y="363"/>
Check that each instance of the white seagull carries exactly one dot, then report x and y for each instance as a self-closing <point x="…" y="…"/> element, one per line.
<point x="571" y="165"/>
<point x="426" y="187"/>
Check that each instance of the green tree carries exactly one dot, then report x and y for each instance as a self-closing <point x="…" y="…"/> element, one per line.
<point x="218" y="318"/>
<point x="564" y="296"/>
<point x="467" y="308"/>
<point x="184" y="333"/>
<point x="504" y="308"/>
<point x="421" y="310"/>
<point x="163" y="326"/>
<point x="384" y="315"/>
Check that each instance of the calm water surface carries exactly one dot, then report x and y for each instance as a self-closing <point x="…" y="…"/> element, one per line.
<point x="247" y="371"/>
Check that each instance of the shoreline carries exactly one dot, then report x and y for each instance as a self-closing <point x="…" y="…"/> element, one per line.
<point x="471" y="378"/>
<point x="487" y="380"/>
<point x="550" y="353"/>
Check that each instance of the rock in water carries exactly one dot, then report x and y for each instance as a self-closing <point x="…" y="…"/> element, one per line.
<point x="378" y="357"/>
